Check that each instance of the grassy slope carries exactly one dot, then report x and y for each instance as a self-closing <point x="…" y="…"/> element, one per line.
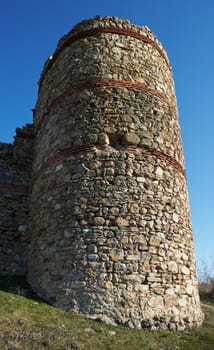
<point x="29" y="323"/>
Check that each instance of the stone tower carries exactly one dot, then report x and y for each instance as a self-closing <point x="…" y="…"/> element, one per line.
<point x="111" y="234"/>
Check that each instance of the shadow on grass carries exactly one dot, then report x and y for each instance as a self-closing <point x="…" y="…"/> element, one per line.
<point x="18" y="285"/>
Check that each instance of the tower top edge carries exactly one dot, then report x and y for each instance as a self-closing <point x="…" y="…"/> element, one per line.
<point x="107" y="24"/>
<point x="109" y="21"/>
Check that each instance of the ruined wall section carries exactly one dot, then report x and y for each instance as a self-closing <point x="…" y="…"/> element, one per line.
<point x="15" y="176"/>
<point x="111" y="234"/>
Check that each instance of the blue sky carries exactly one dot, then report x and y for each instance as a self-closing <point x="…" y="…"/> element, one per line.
<point x="30" y="29"/>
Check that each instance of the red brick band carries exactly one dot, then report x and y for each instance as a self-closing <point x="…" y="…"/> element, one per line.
<point x="65" y="153"/>
<point x="101" y="83"/>
<point x="140" y="152"/>
<point x="146" y="150"/>
<point x="99" y="30"/>
<point x="14" y="188"/>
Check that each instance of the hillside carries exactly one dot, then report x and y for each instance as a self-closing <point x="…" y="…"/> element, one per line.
<point x="27" y="323"/>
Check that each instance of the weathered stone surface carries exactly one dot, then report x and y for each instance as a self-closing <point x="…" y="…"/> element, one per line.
<point x="170" y="301"/>
<point x="131" y="139"/>
<point x="175" y="217"/>
<point x="116" y="254"/>
<point x="109" y="285"/>
<point x="182" y="302"/>
<point x="114" y="210"/>
<point x="99" y="221"/>
<point x="156" y="302"/>
<point x="15" y="177"/>
<point x="155" y="241"/>
<point x="109" y="232"/>
<point x="122" y="222"/>
<point x="159" y="171"/>
<point x="172" y="267"/>
<point x="189" y="289"/>
<point x="185" y="270"/>
<point x="103" y="139"/>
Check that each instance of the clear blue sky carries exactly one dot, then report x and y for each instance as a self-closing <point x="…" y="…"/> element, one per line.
<point x="30" y="29"/>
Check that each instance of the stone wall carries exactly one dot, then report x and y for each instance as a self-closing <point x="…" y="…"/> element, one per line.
<point x="110" y="230"/>
<point x="15" y="174"/>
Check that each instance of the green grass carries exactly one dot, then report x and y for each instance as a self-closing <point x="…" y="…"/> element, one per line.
<point x="27" y="322"/>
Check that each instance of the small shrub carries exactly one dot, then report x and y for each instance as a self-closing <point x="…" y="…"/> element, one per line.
<point x="206" y="280"/>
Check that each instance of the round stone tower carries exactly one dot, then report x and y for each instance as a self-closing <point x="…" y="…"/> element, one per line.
<point x="111" y="233"/>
